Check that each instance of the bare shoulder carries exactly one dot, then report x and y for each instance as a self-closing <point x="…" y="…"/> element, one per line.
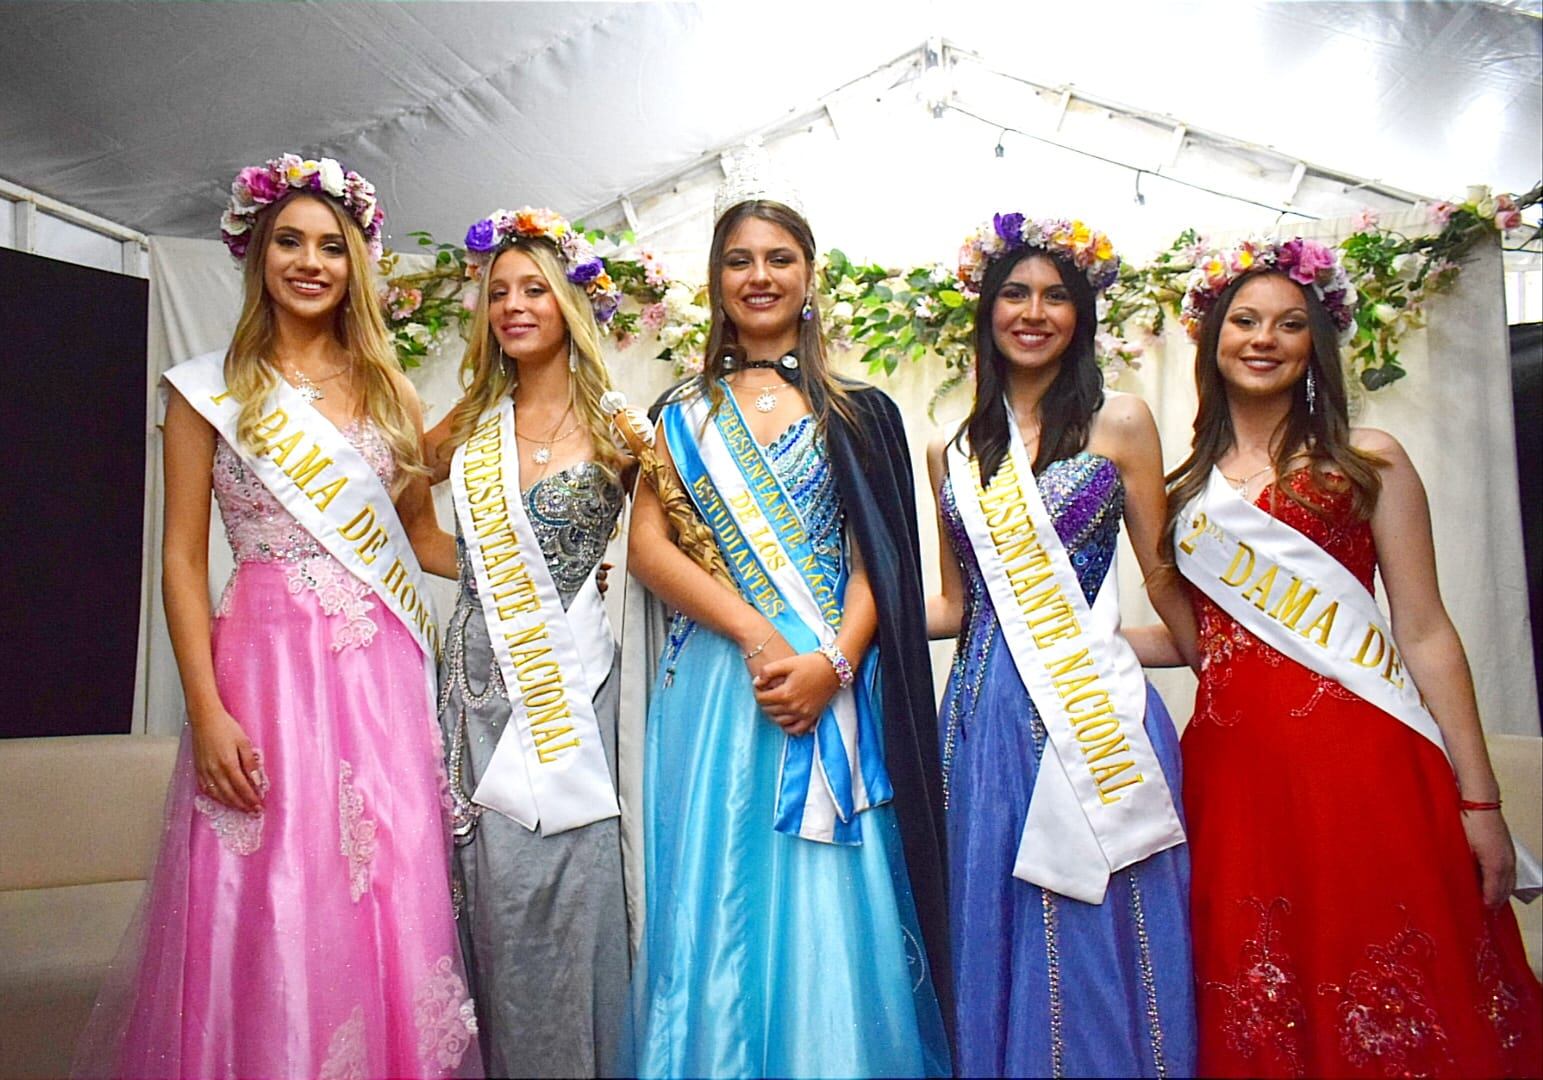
<point x="1123" y="429"/>
<point x="1123" y="411"/>
<point x="404" y="387"/>
<point x="1376" y="441"/>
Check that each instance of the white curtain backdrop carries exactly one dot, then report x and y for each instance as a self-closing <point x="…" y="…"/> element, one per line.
<point x="1452" y="413"/>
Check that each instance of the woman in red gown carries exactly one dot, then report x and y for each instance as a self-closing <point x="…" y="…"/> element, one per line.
<point x="1350" y="884"/>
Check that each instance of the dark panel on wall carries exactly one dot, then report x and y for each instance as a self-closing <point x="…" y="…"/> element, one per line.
<point x="1527" y="396"/>
<point x="72" y="420"/>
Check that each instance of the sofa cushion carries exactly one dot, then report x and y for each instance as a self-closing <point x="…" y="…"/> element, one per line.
<point x="57" y="944"/>
<point x="114" y="789"/>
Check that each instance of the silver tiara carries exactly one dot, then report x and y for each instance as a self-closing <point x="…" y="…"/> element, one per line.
<point x="748" y="176"/>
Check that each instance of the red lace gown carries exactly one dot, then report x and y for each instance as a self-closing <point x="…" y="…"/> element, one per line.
<point x="1338" y="924"/>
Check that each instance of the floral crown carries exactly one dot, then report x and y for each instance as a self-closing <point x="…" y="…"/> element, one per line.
<point x="581" y="265"/>
<point x="1306" y="262"/>
<point x="259" y="186"/>
<point x="1089" y="251"/>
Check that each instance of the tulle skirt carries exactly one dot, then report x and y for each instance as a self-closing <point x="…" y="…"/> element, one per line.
<point x="313" y="938"/>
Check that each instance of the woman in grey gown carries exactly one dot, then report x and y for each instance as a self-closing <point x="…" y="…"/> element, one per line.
<point x="537" y="873"/>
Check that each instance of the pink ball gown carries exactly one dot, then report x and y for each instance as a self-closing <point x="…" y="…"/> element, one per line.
<point x="315" y="937"/>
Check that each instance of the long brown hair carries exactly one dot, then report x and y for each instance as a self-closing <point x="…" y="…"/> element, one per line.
<point x="487" y="376"/>
<point x="1321" y="433"/>
<point x="821" y="387"/>
<point x="358" y="324"/>
<point x="1076" y="393"/>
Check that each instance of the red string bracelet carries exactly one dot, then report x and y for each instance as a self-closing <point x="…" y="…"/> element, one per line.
<point x="1464" y="804"/>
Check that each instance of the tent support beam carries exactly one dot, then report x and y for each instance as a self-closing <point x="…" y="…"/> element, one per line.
<point x="25" y="206"/>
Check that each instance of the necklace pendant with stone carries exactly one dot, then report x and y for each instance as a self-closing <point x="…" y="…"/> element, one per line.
<point x="541" y="455"/>
<point x="765" y="401"/>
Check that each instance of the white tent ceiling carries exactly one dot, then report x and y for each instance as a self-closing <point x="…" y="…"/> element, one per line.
<point x="141" y="111"/>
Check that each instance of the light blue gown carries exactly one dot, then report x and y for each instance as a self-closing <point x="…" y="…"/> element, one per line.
<point x="765" y="954"/>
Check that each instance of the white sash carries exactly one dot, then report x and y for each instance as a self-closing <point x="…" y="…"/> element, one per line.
<point x="1301" y="601"/>
<point x="761" y="517"/>
<point x="549" y="767"/>
<point x="326" y="485"/>
<point x="1100" y="801"/>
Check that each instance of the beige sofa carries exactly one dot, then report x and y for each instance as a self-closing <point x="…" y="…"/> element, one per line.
<point x="82" y="820"/>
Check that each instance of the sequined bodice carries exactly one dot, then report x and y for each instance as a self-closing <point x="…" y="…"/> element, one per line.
<point x="798" y="457"/>
<point x="1085" y="499"/>
<point x="1337" y="531"/>
<point x="256" y="523"/>
<point x="573" y="513"/>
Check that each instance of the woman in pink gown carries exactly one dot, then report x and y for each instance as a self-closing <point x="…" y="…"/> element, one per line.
<point x="298" y="921"/>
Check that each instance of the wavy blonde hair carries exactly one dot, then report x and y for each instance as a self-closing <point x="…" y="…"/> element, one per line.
<point x="359" y="325"/>
<point x="486" y="378"/>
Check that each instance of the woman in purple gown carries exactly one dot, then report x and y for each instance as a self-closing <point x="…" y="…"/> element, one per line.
<point x="1047" y="984"/>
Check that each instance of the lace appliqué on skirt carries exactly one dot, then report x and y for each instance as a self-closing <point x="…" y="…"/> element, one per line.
<point x="446" y="1017"/>
<point x="346" y="1059"/>
<point x="1385" y="1015"/>
<point x="240" y="833"/>
<point x="356" y="832"/>
<point x="1264" y="1013"/>
<point x="339" y="593"/>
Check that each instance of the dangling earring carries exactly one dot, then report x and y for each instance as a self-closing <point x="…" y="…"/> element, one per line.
<point x="808" y="312"/>
<point x="1312" y="393"/>
<point x="573" y="356"/>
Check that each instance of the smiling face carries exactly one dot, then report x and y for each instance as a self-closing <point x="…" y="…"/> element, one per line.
<point x="764" y="281"/>
<point x="522" y="309"/>
<point x="305" y="266"/>
<point x="1034" y="316"/>
<point x="1266" y="339"/>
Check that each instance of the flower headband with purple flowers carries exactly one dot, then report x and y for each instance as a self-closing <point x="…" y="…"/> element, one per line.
<point x="580" y="263"/>
<point x="1306" y="262"/>
<point x="1089" y="251"/>
<point x="260" y="186"/>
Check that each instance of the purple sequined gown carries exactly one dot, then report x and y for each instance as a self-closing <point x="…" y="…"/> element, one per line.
<point x="1046" y="985"/>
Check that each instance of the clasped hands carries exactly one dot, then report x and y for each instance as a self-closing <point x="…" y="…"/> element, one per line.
<point x="791" y="688"/>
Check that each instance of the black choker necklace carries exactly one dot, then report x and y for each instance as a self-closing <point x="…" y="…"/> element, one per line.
<point x="790" y="362"/>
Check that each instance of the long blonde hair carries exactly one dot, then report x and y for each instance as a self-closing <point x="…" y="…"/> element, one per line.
<point x="487" y="376"/>
<point x="359" y="325"/>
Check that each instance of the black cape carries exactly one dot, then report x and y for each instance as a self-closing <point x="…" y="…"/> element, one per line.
<point x="872" y="466"/>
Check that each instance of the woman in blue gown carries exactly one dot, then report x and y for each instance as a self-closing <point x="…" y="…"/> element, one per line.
<point x="787" y="787"/>
<point x="1047" y="985"/>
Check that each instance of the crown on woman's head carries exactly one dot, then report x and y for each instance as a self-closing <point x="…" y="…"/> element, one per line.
<point x="259" y="186"/>
<point x="1306" y="262"/>
<point x="748" y="177"/>
<point x="581" y="265"/>
<point x="1087" y="250"/>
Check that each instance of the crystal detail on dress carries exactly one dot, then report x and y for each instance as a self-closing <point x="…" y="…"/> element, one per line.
<point x="446" y="1017"/>
<point x="1148" y="978"/>
<point x="1053" y="981"/>
<point x="356" y="833"/>
<point x="340" y="594"/>
<point x="1264" y="1012"/>
<point x="1385" y="1015"/>
<point x="1500" y="1004"/>
<point x="256" y="524"/>
<point x="346" y="1058"/>
<point x="240" y="832"/>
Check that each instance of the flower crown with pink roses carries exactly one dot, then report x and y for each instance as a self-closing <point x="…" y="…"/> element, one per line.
<point x="1306" y="262"/>
<point x="581" y="265"/>
<point x="1089" y="251"/>
<point x="259" y="186"/>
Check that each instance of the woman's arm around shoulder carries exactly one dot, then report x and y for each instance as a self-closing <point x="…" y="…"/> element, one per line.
<point x="1125" y="432"/>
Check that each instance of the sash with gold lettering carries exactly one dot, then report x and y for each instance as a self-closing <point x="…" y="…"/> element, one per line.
<point x="1301" y="601"/>
<point x="549" y="767"/>
<point x="837" y="771"/>
<point x="1100" y="800"/>
<point x="326" y="485"/>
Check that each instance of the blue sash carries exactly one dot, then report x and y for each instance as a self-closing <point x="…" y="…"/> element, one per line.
<point x="765" y="543"/>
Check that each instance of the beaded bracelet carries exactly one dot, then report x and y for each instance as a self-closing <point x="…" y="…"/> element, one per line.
<point x="838" y="660"/>
<point x="1466" y="805"/>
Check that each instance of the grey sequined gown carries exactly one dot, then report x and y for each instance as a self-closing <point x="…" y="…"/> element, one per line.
<point x="543" y="920"/>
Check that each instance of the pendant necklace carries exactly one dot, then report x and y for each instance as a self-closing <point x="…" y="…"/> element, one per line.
<point x="1241" y="486"/>
<point x="766" y="400"/>
<point x="307" y="388"/>
<point x="543" y="451"/>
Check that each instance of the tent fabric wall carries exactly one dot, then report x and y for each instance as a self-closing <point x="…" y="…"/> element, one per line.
<point x="1452" y="413"/>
